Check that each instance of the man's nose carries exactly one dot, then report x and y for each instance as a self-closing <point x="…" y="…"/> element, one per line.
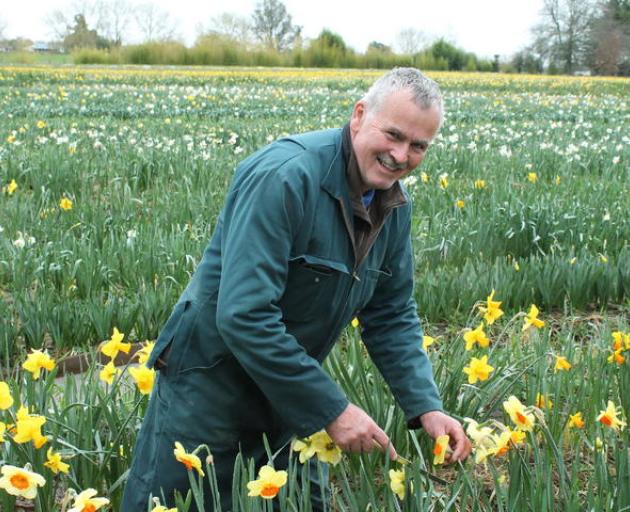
<point x="400" y="152"/>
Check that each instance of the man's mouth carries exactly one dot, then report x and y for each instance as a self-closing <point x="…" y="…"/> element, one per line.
<point x="390" y="164"/>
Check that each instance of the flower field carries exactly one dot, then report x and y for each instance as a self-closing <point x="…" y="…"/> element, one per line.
<point x="111" y="180"/>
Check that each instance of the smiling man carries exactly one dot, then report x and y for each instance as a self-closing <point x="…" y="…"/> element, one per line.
<point x="315" y="230"/>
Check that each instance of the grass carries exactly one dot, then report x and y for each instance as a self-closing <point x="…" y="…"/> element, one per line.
<point x="146" y="155"/>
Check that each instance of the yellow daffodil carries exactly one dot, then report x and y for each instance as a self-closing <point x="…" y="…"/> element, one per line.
<point x="355" y="322"/>
<point x="28" y="427"/>
<point x="3" y="429"/>
<point x="397" y="482"/>
<point x="492" y="310"/>
<point x="502" y="443"/>
<point x="427" y="341"/>
<point x="144" y="377"/>
<point x="190" y="460"/>
<point x="115" y="344"/>
<point x="617" y="357"/>
<point x="36" y="361"/>
<point x="65" y="204"/>
<point x="532" y="319"/>
<point x="108" y="373"/>
<point x="319" y="444"/>
<point x="11" y="139"/>
<point x="21" y="481"/>
<point x="476" y="336"/>
<point x="480" y="184"/>
<point x="562" y="364"/>
<point x="11" y="187"/>
<point x="54" y="462"/>
<point x="145" y="352"/>
<point x="305" y="447"/>
<point x="576" y="420"/>
<point x="460" y="203"/>
<point x="443" y="182"/>
<point x="6" y="398"/>
<point x="478" y="369"/>
<point x="86" y="502"/>
<point x="268" y="483"/>
<point x="41" y="124"/>
<point x="424" y="177"/>
<point x="439" y="449"/>
<point x="557" y="180"/>
<point x="543" y="401"/>
<point x="532" y="177"/>
<point x="610" y="418"/>
<point x="519" y="414"/>
<point x="162" y="508"/>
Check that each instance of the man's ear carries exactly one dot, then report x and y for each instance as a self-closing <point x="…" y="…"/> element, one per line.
<point x="358" y="115"/>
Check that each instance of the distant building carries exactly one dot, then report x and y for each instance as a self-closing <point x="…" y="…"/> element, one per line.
<point x="41" y="47"/>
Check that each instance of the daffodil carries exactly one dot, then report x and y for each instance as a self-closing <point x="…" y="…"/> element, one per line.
<point x="65" y="204"/>
<point x="319" y="444"/>
<point x="543" y="401"/>
<point x="476" y="336"/>
<point x="562" y="364"/>
<point x="268" y="483"/>
<point x="21" y="481"/>
<point x="41" y="124"/>
<point x="443" y="181"/>
<point x="397" y="482"/>
<point x="439" y="449"/>
<point x="480" y="184"/>
<point x="190" y="460"/>
<point x="478" y="369"/>
<point x="11" y="187"/>
<point x="3" y="429"/>
<point x="36" y="361"/>
<point x="610" y="418"/>
<point x="86" y="502"/>
<point x="576" y="420"/>
<point x="427" y="341"/>
<point x="502" y="443"/>
<point x="54" y="462"/>
<point x="492" y="310"/>
<point x="617" y="357"/>
<point x="108" y="372"/>
<point x="532" y="319"/>
<point x="28" y="427"/>
<point x="6" y="398"/>
<point x="145" y="352"/>
<point x="115" y="344"/>
<point x="532" y="177"/>
<point x="519" y="414"/>
<point x="144" y="377"/>
<point x="424" y="177"/>
<point x="460" y="203"/>
<point x="355" y="323"/>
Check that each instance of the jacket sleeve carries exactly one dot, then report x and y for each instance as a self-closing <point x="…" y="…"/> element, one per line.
<point x="261" y="216"/>
<point x="392" y="333"/>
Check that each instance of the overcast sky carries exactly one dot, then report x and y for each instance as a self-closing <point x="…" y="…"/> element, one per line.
<point x="485" y="27"/>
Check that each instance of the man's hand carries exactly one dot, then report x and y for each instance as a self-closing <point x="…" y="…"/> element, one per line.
<point x="436" y="423"/>
<point x="355" y="431"/>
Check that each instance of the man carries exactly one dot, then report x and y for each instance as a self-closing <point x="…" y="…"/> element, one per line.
<point x="315" y="230"/>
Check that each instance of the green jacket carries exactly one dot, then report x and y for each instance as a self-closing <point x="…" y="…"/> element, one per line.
<point x="278" y="283"/>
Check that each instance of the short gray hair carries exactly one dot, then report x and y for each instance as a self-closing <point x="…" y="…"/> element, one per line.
<point x="426" y="93"/>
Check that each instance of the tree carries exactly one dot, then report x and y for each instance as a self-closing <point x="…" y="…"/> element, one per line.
<point x="80" y="36"/>
<point x="153" y="23"/>
<point x="410" y="41"/>
<point x="273" y="26"/>
<point x="327" y="50"/>
<point x="610" y="39"/>
<point x="112" y="19"/>
<point x="562" y="36"/>
<point x="231" y="26"/>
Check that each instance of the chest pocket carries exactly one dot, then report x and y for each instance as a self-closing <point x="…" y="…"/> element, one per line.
<point x="313" y="283"/>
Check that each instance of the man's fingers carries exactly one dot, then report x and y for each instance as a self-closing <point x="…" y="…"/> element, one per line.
<point x="383" y="442"/>
<point x="462" y="447"/>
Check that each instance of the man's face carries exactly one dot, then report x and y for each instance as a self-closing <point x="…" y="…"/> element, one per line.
<point x="391" y="141"/>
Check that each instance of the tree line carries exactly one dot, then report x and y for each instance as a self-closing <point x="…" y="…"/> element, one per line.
<point x="588" y="36"/>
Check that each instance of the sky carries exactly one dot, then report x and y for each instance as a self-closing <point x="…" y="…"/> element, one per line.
<point x="485" y="27"/>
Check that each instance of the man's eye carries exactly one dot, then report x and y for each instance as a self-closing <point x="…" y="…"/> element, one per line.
<point x="393" y="135"/>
